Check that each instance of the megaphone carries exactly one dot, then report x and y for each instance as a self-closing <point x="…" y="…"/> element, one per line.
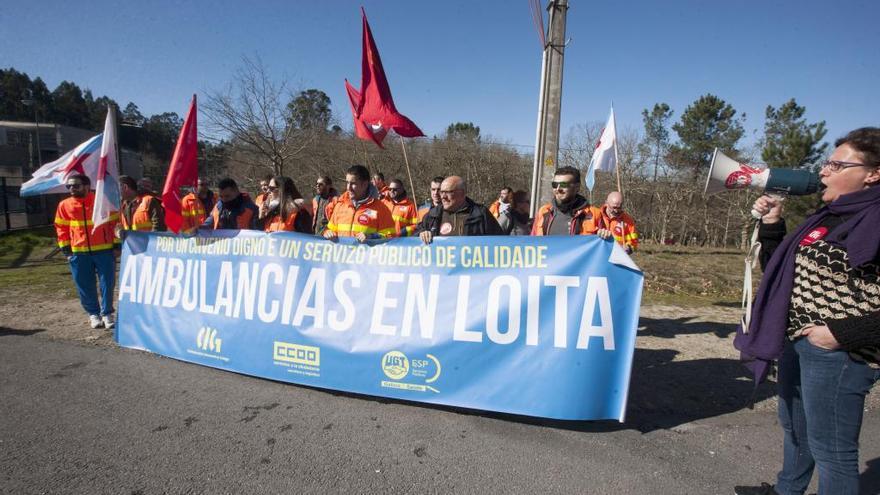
<point x="727" y="174"/>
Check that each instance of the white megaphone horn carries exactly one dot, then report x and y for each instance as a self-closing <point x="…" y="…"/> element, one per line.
<point x="727" y="174"/>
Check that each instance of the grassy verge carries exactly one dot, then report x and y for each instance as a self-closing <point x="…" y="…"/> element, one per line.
<point x="24" y="268"/>
<point x="691" y="276"/>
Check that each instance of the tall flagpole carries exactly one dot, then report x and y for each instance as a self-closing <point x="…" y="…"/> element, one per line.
<point x="616" y="156"/>
<point x="408" y="173"/>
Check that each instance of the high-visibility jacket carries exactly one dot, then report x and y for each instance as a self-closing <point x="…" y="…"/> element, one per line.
<point x="424" y="209"/>
<point x="585" y="221"/>
<point x="299" y="220"/>
<point x="240" y="214"/>
<point x="193" y="211"/>
<point x="623" y="228"/>
<point x="371" y="217"/>
<point x="319" y="210"/>
<point x="260" y="199"/>
<point x="494" y="208"/>
<point x="277" y="223"/>
<point x="404" y="214"/>
<point x="148" y="215"/>
<point x="73" y="225"/>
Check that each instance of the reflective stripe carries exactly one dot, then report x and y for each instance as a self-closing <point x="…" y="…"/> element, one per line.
<point x="411" y="221"/>
<point x="61" y="221"/>
<point x="62" y="244"/>
<point x="94" y="247"/>
<point x="346" y="227"/>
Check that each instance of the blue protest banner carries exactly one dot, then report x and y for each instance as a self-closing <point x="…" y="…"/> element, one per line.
<point x="539" y="326"/>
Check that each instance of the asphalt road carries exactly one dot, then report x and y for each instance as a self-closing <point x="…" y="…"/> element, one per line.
<point x="84" y="419"/>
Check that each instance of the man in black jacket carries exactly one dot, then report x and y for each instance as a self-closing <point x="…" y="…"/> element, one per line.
<point x="456" y="214"/>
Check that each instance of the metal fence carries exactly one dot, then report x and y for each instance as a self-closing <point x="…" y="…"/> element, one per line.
<point x="22" y="213"/>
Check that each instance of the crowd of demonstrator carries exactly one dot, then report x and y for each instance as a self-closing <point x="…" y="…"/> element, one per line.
<point x="817" y="310"/>
<point x="367" y="208"/>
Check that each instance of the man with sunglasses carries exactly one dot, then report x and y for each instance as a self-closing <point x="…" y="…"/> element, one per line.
<point x="89" y="251"/>
<point x="456" y="214"/>
<point x="325" y="194"/>
<point x="403" y="210"/>
<point x="569" y="213"/>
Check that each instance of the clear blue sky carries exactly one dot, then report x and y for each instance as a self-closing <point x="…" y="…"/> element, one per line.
<point x="450" y="61"/>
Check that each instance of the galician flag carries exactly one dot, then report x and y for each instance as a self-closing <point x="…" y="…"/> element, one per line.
<point x="605" y="155"/>
<point x="51" y="178"/>
<point x="107" y="180"/>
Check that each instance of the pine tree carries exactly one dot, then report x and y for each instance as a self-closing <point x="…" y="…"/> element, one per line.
<point x="789" y="141"/>
<point x="706" y="124"/>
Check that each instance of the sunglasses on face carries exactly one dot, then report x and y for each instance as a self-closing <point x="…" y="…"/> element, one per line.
<point x="71" y="186"/>
<point x="564" y="185"/>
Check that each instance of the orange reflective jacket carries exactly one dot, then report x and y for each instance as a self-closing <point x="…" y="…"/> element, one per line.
<point x="586" y="221"/>
<point x="142" y="218"/>
<point x="623" y="228"/>
<point x="277" y="223"/>
<point x="73" y="225"/>
<point x="371" y="217"/>
<point x="424" y="209"/>
<point x="193" y="211"/>
<point x="494" y="208"/>
<point x="405" y="216"/>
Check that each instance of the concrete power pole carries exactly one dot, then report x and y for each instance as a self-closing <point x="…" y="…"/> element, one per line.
<point x="549" y="106"/>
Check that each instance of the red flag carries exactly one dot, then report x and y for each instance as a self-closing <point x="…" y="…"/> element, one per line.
<point x="374" y="107"/>
<point x="361" y="129"/>
<point x="183" y="171"/>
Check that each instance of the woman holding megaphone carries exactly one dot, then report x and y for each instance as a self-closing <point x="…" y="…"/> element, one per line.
<point x="817" y="312"/>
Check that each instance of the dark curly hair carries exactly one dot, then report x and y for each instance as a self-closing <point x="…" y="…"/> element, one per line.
<point x="865" y="140"/>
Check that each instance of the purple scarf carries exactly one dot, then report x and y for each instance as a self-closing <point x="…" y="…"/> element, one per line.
<point x="859" y="235"/>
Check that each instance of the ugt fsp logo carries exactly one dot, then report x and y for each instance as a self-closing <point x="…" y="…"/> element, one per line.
<point x="207" y="340"/>
<point x="395" y="365"/>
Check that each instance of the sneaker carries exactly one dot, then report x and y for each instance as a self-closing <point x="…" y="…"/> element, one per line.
<point x="764" y="489"/>
<point x="108" y="321"/>
<point x="95" y="321"/>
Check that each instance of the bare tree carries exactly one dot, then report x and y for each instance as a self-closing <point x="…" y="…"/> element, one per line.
<point x="254" y="112"/>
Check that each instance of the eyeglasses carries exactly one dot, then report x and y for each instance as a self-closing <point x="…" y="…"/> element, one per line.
<point x="837" y="165"/>
<point x="564" y="185"/>
<point x="448" y="193"/>
<point x="71" y="186"/>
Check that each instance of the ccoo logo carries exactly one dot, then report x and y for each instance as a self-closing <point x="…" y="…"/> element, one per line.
<point x="207" y="340"/>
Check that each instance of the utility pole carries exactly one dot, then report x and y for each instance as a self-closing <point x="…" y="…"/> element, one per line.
<point x="549" y="105"/>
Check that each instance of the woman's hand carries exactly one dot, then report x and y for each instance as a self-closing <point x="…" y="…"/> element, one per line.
<point x="769" y="207"/>
<point x="821" y="336"/>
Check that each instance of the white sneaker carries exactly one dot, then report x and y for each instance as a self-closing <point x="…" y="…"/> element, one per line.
<point x="95" y="321"/>
<point x="108" y="321"/>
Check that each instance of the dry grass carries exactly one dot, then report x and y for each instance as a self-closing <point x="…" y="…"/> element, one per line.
<point x="691" y="276"/>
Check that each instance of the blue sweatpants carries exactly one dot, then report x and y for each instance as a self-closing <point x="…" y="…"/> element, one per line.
<point x="84" y="268"/>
